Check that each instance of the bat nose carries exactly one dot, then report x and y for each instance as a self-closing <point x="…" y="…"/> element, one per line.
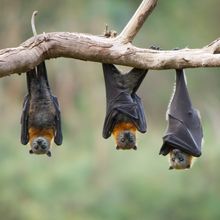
<point x="41" y="143"/>
<point x="129" y="137"/>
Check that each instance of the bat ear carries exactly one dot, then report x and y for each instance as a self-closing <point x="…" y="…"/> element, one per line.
<point x="135" y="147"/>
<point x="31" y="152"/>
<point x="188" y="166"/>
<point x="49" y="154"/>
<point x="170" y="168"/>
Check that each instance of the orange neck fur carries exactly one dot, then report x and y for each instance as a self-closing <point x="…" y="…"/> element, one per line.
<point x="46" y="133"/>
<point x="123" y="126"/>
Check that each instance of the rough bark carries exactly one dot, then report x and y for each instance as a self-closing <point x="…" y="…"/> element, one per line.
<point x="118" y="50"/>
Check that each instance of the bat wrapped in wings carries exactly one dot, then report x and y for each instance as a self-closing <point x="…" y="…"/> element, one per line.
<point x="125" y="112"/>
<point x="40" y="120"/>
<point x="183" y="138"/>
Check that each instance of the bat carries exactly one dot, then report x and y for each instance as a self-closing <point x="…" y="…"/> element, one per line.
<point x="125" y="112"/>
<point x="40" y="120"/>
<point x="184" y="134"/>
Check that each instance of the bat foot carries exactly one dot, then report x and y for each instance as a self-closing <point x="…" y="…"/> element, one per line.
<point x="135" y="147"/>
<point x="176" y="48"/>
<point x="154" y="47"/>
<point x="117" y="148"/>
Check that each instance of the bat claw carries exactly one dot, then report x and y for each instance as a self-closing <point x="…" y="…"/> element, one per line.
<point x="49" y="154"/>
<point x="135" y="147"/>
<point x="153" y="47"/>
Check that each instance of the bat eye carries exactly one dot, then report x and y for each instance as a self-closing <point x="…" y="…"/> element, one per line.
<point x="122" y="140"/>
<point x="190" y="113"/>
<point x="181" y="159"/>
<point x="173" y="159"/>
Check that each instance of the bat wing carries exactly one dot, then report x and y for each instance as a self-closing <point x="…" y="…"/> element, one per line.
<point x="24" y="121"/>
<point x="31" y="76"/>
<point x="58" y="139"/>
<point x="42" y="71"/>
<point x="181" y="137"/>
<point x="184" y="130"/>
<point x="121" y="98"/>
<point x="37" y="80"/>
<point x="134" y="78"/>
<point x="140" y="122"/>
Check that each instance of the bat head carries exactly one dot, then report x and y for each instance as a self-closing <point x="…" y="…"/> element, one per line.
<point x="179" y="160"/>
<point x="40" y="145"/>
<point x="126" y="139"/>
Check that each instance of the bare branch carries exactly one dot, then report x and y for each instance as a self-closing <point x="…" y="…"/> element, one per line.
<point x="101" y="49"/>
<point x="117" y="50"/>
<point x="136" y="22"/>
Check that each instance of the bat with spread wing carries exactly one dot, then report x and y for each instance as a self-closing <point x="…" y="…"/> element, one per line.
<point x="125" y="112"/>
<point x="40" y="120"/>
<point x="183" y="138"/>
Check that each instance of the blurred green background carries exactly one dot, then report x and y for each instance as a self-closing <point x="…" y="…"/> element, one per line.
<point x="86" y="178"/>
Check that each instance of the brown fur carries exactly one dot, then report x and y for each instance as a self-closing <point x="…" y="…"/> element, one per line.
<point x="46" y="133"/>
<point x="123" y="126"/>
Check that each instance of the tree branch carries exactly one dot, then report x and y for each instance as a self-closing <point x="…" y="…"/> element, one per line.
<point x="117" y="50"/>
<point x="136" y="22"/>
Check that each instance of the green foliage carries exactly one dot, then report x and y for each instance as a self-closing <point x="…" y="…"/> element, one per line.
<point x="86" y="178"/>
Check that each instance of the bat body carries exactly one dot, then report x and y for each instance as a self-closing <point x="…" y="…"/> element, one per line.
<point x="40" y="120"/>
<point x="183" y="138"/>
<point x="125" y="112"/>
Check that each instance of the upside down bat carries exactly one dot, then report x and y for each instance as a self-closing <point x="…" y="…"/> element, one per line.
<point x="183" y="138"/>
<point x="40" y="120"/>
<point x="125" y="112"/>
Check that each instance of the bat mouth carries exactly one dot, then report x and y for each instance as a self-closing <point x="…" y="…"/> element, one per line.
<point x="40" y="145"/>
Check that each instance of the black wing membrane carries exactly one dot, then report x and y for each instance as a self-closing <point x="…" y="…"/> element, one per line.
<point x="58" y="139"/>
<point x="122" y="99"/>
<point x="24" y="121"/>
<point x="184" y="130"/>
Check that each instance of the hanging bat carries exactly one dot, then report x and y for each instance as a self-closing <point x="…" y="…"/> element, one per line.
<point x="125" y="112"/>
<point x="183" y="138"/>
<point x="40" y="120"/>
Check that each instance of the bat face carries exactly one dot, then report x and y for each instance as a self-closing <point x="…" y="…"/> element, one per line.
<point x="125" y="136"/>
<point x="40" y="140"/>
<point x="126" y="140"/>
<point x="40" y="145"/>
<point x="180" y="160"/>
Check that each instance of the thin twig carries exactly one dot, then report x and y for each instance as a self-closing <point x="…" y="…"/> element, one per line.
<point x="33" y="23"/>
